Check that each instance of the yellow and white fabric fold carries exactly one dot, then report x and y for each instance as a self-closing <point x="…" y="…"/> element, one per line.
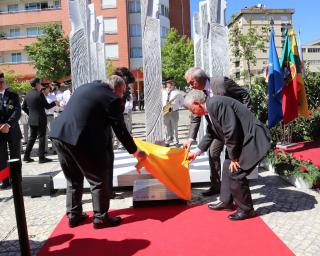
<point x="169" y="165"/>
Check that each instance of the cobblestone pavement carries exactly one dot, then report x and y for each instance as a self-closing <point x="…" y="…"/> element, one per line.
<point x="293" y="214"/>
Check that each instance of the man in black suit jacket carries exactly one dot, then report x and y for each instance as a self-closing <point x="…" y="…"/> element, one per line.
<point x="34" y="106"/>
<point x="247" y="142"/>
<point x="224" y="86"/>
<point x="10" y="134"/>
<point x="83" y="138"/>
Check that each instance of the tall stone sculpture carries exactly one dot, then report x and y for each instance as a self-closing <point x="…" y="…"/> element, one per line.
<point x="211" y="42"/>
<point x="218" y="39"/>
<point x="87" y="58"/>
<point x="152" y="68"/>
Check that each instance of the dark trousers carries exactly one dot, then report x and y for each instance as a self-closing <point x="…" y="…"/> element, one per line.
<point x="13" y="143"/>
<point x="215" y="150"/>
<point x="235" y="187"/>
<point x="95" y="165"/>
<point x="40" y="132"/>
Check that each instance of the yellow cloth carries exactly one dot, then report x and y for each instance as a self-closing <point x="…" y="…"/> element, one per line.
<point x="168" y="165"/>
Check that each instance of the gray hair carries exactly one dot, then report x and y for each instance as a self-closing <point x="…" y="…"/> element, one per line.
<point x="114" y="81"/>
<point x="196" y="73"/>
<point x="194" y="96"/>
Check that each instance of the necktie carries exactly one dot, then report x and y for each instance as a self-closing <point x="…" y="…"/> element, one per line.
<point x="205" y="92"/>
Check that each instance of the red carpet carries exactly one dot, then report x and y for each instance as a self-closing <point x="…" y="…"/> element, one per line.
<point x="309" y="150"/>
<point x="167" y="231"/>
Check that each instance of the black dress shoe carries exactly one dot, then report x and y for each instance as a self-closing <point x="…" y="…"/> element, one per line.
<point x="220" y="206"/>
<point x="44" y="160"/>
<point x="239" y="215"/>
<point x="5" y="186"/>
<point x="77" y="220"/>
<point x="211" y="191"/>
<point x="106" y="221"/>
<point x="28" y="159"/>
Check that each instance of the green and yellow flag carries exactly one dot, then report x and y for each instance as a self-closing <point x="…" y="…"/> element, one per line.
<point x="294" y="98"/>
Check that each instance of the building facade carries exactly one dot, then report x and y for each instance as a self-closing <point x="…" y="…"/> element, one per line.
<point x="311" y="55"/>
<point x="259" y="16"/>
<point x="21" y="22"/>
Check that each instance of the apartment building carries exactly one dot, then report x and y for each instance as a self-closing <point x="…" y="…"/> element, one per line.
<point x="21" y="21"/>
<point x="311" y="55"/>
<point x="259" y="16"/>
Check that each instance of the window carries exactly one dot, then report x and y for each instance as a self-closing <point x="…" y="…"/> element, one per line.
<point x="136" y="52"/>
<point x="110" y="25"/>
<point x="314" y="62"/>
<point x="303" y="49"/>
<point x="14" y="32"/>
<point x="135" y="30"/>
<point x="163" y="32"/>
<point x="237" y="64"/>
<point x="33" y="6"/>
<point x="314" y="50"/>
<point x="112" y="51"/>
<point x="34" y="31"/>
<point x="109" y="3"/>
<point x="164" y="10"/>
<point x="56" y="4"/>
<point x="238" y="75"/>
<point x="16" y="57"/>
<point x="12" y="8"/>
<point x="134" y="6"/>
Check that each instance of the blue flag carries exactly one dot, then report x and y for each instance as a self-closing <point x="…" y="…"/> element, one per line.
<point x="275" y="85"/>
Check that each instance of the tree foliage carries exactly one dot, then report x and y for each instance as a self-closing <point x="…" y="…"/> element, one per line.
<point x="245" y="44"/>
<point x="312" y="85"/>
<point x="177" y="57"/>
<point x="15" y="85"/>
<point x="50" y="53"/>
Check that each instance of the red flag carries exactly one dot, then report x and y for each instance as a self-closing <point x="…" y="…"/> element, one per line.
<point x="4" y="173"/>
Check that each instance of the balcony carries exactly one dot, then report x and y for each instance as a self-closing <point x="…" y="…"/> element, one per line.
<point x="28" y="16"/>
<point x="15" y="44"/>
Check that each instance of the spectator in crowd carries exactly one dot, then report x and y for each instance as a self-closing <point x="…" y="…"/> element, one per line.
<point x="141" y="101"/>
<point x="67" y="93"/>
<point x="10" y="133"/>
<point x="48" y="92"/>
<point x="24" y="121"/>
<point x="172" y="100"/>
<point x="56" y="89"/>
<point x="34" y="105"/>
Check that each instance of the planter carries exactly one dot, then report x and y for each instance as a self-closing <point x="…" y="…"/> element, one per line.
<point x="298" y="182"/>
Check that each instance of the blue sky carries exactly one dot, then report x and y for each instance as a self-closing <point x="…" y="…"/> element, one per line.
<point x="306" y="16"/>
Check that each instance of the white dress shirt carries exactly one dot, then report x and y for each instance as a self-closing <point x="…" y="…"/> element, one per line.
<point x="51" y="97"/>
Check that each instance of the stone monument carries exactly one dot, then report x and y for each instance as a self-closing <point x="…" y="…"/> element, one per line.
<point x="86" y="39"/>
<point x="152" y="69"/>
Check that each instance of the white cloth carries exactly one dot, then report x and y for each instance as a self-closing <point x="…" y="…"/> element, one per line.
<point x="129" y="105"/>
<point x="59" y="97"/>
<point x="177" y="103"/>
<point x="66" y="97"/>
<point x="51" y="97"/>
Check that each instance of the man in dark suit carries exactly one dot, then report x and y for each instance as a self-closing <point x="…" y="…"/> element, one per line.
<point x="247" y="142"/>
<point x="10" y="134"/>
<point x="82" y="136"/>
<point x="34" y="105"/>
<point x="224" y="86"/>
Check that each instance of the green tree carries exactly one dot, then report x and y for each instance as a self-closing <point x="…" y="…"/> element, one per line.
<point x="16" y="85"/>
<point x="177" y="57"/>
<point x="50" y="53"/>
<point x="109" y="68"/>
<point x="245" y="44"/>
<point x="312" y="84"/>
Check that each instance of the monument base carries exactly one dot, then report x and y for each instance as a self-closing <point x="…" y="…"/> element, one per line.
<point x="150" y="192"/>
<point x="285" y="145"/>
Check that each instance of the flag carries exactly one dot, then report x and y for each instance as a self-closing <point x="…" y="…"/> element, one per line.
<point x="275" y="85"/>
<point x="294" y="99"/>
<point x="4" y="173"/>
<point x="300" y="53"/>
<point x="168" y="165"/>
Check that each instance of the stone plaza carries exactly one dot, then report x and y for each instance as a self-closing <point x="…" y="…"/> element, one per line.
<point x="293" y="214"/>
